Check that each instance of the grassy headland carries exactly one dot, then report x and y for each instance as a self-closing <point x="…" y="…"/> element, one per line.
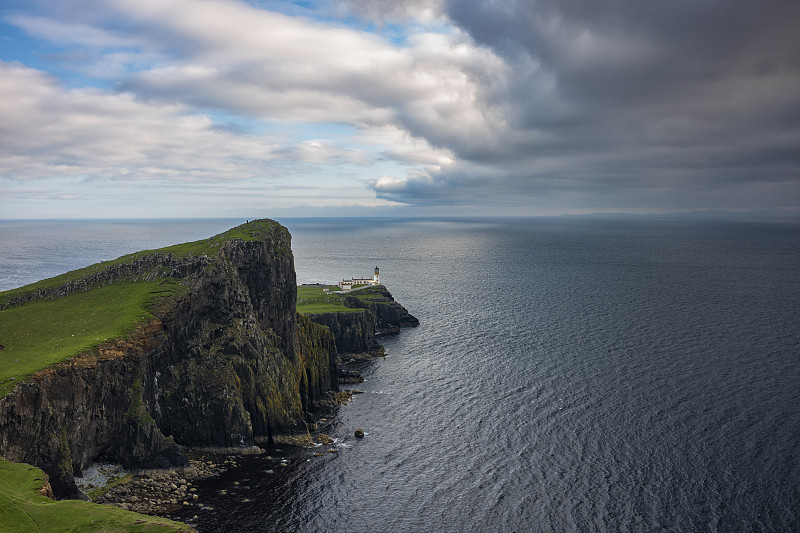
<point x="23" y="509"/>
<point x="373" y="293"/>
<point x="38" y="334"/>
<point x="48" y="329"/>
<point x="246" y="232"/>
<point x="312" y="299"/>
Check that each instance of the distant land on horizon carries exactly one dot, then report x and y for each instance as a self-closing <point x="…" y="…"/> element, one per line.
<point x="704" y="214"/>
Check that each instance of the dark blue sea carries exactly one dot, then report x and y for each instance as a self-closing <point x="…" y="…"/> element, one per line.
<point x="568" y="375"/>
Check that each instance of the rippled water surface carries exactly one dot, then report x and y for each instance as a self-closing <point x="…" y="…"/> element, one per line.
<point x="568" y="375"/>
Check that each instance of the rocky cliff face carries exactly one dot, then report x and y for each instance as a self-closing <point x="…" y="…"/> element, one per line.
<point x="228" y="370"/>
<point x="86" y="409"/>
<point x="226" y="363"/>
<point x="354" y="332"/>
<point x="389" y="316"/>
<point x="317" y="350"/>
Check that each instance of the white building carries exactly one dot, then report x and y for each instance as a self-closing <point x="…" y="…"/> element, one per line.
<point x="347" y="284"/>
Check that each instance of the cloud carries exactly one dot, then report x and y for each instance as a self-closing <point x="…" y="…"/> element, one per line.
<point x="48" y="131"/>
<point x="232" y="56"/>
<point x="72" y="33"/>
<point x="223" y="55"/>
<point x="623" y="103"/>
<point x="52" y="132"/>
<point x="538" y="104"/>
<point x="399" y="11"/>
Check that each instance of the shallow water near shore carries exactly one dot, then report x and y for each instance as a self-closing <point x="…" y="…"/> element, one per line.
<point x="567" y="375"/>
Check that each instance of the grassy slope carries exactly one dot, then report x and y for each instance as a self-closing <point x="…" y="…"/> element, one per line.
<point x="38" y="334"/>
<point x="24" y="509"/>
<point x="41" y="333"/>
<point x="210" y="246"/>
<point x="369" y="295"/>
<point x="311" y="300"/>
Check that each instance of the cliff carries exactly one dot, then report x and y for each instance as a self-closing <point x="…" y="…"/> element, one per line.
<point x="219" y="357"/>
<point x="388" y="315"/>
<point x="365" y="314"/>
<point x="354" y="332"/>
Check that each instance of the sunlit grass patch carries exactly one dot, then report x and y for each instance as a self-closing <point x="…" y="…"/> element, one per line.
<point x="24" y="509"/>
<point x="205" y="247"/>
<point x="40" y="333"/>
<point x="314" y="300"/>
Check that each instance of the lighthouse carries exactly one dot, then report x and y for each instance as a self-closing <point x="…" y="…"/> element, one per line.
<point x="377" y="276"/>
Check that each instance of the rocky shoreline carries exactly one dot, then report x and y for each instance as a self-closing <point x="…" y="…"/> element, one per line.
<point x="169" y="492"/>
<point x="163" y="492"/>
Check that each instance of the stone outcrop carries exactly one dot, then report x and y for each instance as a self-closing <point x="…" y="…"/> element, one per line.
<point x="388" y="315"/>
<point x="354" y="332"/>
<point x="227" y="362"/>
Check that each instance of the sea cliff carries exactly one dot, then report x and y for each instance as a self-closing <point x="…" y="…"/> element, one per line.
<point x="365" y="314"/>
<point x="221" y="358"/>
<point x="388" y="315"/>
<point x="354" y="333"/>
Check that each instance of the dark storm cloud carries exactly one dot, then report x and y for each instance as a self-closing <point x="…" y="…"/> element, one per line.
<point x="626" y="52"/>
<point x="653" y="104"/>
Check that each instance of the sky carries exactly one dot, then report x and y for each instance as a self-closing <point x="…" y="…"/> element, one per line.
<point x="234" y="108"/>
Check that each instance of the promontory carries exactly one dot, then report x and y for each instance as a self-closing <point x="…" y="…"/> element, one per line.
<point x="135" y="360"/>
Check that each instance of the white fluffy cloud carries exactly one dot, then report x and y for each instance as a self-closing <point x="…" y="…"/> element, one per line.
<point x="264" y="64"/>
<point x="49" y="131"/>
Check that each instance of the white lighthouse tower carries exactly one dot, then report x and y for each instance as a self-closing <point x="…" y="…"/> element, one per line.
<point x="377" y="276"/>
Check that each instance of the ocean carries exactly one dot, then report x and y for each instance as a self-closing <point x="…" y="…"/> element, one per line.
<point x="568" y="375"/>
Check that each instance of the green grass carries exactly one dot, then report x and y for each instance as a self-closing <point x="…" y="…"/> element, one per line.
<point x="369" y="297"/>
<point x="40" y="333"/>
<point x="312" y="300"/>
<point x="24" y="509"/>
<point x="316" y="309"/>
<point x="372" y="293"/>
<point x="72" y="275"/>
<point x="246" y="232"/>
